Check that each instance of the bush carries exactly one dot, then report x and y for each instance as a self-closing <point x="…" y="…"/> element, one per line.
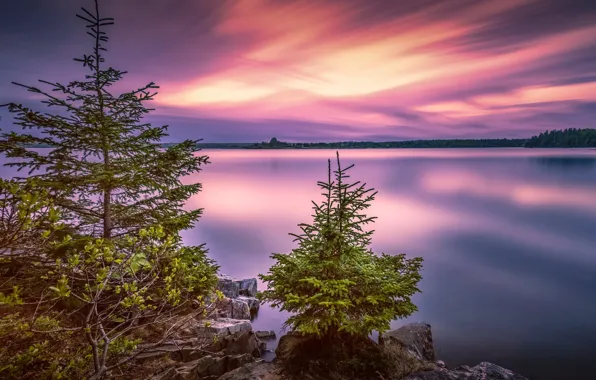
<point x="83" y="313"/>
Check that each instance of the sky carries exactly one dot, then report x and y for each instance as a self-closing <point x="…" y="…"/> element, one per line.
<point x="325" y="70"/>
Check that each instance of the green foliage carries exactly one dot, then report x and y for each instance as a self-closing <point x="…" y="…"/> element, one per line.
<point x="110" y="289"/>
<point x="107" y="170"/>
<point x="28" y="219"/>
<point x="40" y="350"/>
<point x="332" y="282"/>
<point x="90" y="247"/>
<point x="568" y="138"/>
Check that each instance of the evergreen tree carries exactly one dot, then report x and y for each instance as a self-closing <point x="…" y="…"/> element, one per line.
<point x="332" y="282"/>
<point x="107" y="170"/>
<point x="91" y="251"/>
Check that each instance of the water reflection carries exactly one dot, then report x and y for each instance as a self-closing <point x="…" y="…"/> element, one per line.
<point x="510" y="269"/>
<point x="564" y="163"/>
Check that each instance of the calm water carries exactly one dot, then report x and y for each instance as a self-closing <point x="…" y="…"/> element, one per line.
<point x="508" y="237"/>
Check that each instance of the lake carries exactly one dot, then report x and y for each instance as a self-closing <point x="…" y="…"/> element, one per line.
<point x="508" y="238"/>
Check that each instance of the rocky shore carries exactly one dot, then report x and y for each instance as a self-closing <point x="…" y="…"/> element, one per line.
<point x="227" y="348"/>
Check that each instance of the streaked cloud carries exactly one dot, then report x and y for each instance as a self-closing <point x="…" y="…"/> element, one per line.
<point x="370" y="69"/>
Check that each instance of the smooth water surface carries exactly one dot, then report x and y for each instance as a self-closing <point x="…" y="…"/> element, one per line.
<point x="508" y="238"/>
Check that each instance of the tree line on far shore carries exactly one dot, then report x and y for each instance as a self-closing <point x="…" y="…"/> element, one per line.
<point x="566" y="138"/>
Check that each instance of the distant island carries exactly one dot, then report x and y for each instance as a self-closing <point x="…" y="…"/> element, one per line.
<point x="567" y="138"/>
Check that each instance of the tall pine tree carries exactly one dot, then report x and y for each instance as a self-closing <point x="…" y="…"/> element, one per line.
<point x="117" y="198"/>
<point x="106" y="170"/>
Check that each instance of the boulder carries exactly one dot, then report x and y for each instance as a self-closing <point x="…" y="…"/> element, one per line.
<point x="225" y="336"/>
<point x="232" y="288"/>
<point x="254" y="371"/>
<point x="228" y="286"/>
<point x="231" y="336"/>
<point x="248" y="287"/>
<point x="207" y="367"/>
<point x="233" y="308"/>
<point x="483" y="371"/>
<point x="415" y="337"/>
<point x="265" y="334"/>
<point x="223" y="326"/>
<point x="253" y="303"/>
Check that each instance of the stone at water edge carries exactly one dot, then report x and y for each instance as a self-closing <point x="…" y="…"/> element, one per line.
<point x="415" y="337"/>
<point x="248" y="287"/>
<point x="229" y="287"/>
<point x="253" y="303"/>
<point x="233" y="288"/>
<point x="233" y="308"/>
<point x="265" y="334"/>
<point x="223" y="326"/>
<point x="483" y="371"/>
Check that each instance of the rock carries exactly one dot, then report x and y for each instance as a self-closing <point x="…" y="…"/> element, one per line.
<point x="232" y="336"/>
<point x="286" y="345"/>
<point x="233" y="308"/>
<point x="232" y="288"/>
<point x="483" y="371"/>
<point x="265" y="334"/>
<point x="440" y="364"/>
<point x="253" y="303"/>
<point x="223" y="326"/>
<point x="415" y="337"/>
<point x="240" y="309"/>
<point x="207" y="367"/>
<point x="254" y="371"/>
<point x="248" y="287"/>
<point x="229" y="287"/>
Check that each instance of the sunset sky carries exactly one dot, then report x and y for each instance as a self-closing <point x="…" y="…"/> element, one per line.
<point x="326" y="70"/>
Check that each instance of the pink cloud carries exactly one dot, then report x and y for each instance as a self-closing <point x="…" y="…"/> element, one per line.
<point x="301" y="55"/>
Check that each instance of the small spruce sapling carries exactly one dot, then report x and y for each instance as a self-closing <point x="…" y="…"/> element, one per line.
<point x="332" y="282"/>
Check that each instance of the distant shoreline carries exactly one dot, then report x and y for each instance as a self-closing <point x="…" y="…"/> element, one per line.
<point x="568" y="138"/>
<point x="419" y="144"/>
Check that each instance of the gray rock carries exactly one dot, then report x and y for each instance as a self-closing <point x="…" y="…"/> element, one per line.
<point x="483" y="371"/>
<point x="228" y="286"/>
<point x="253" y="303"/>
<point x="223" y="326"/>
<point x="248" y="287"/>
<point x="254" y="371"/>
<point x="231" y="336"/>
<point x="233" y="308"/>
<point x="207" y="367"/>
<point x="440" y="364"/>
<point x="265" y="334"/>
<point x="415" y="337"/>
